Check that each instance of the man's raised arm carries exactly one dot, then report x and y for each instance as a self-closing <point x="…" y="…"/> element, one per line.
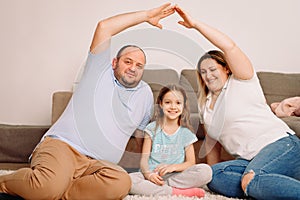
<point x="113" y="25"/>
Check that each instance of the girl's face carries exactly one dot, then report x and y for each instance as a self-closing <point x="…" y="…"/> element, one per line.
<point x="213" y="74"/>
<point x="172" y="105"/>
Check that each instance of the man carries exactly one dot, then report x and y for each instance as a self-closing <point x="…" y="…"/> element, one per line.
<point x="77" y="158"/>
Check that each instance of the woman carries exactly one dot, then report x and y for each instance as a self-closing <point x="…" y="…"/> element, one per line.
<point x="236" y="117"/>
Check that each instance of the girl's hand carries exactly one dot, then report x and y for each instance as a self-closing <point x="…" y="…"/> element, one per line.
<point x="156" y="178"/>
<point x="156" y="14"/>
<point x="188" y="22"/>
<point x="163" y="169"/>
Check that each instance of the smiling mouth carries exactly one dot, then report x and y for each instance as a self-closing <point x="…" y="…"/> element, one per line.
<point x="173" y="112"/>
<point x="211" y="80"/>
<point x="130" y="75"/>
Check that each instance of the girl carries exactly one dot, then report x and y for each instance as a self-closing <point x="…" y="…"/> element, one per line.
<point x="237" y="118"/>
<point x="168" y="157"/>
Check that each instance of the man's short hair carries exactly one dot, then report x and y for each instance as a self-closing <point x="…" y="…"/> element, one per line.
<point x="119" y="54"/>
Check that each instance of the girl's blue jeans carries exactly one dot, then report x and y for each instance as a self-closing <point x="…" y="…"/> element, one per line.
<point x="276" y="168"/>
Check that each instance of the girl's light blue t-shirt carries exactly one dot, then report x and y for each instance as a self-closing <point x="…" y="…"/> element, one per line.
<point x="168" y="149"/>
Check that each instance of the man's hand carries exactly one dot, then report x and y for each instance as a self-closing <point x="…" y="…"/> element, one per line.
<point x="111" y="26"/>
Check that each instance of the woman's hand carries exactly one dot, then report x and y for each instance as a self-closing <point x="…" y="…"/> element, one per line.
<point x="188" y="22"/>
<point x="238" y="62"/>
<point x="156" y="14"/>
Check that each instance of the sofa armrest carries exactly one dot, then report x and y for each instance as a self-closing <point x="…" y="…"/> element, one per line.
<point x="18" y="142"/>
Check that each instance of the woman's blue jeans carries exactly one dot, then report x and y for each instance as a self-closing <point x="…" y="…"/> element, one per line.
<point x="276" y="168"/>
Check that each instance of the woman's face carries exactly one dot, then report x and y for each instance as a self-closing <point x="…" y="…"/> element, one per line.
<point x="213" y="74"/>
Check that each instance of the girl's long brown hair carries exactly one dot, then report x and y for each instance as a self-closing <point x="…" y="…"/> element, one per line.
<point x="184" y="118"/>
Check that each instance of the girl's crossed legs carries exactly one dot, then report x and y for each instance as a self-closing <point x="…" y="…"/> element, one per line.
<point x="193" y="177"/>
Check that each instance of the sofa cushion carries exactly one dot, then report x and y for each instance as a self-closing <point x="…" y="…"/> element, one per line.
<point x="59" y="102"/>
<point x="161" y="76"/>
<point x="189" y="81"/>
<point x="155" y="87"/>
<point x="294" y="123"/>
<point x="279" y="86"/>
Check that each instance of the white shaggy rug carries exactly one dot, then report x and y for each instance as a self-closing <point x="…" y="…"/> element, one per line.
<point x="208" y="196"/>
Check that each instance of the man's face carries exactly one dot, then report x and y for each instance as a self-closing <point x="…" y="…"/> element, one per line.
<point x="129" y="67"/>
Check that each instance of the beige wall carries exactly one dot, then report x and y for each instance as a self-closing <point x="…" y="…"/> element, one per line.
<point x="44" y="42"/>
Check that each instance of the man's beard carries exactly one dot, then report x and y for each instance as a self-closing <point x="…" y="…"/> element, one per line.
<point x="122" y="79"/>
<point x="126" y="83"/>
